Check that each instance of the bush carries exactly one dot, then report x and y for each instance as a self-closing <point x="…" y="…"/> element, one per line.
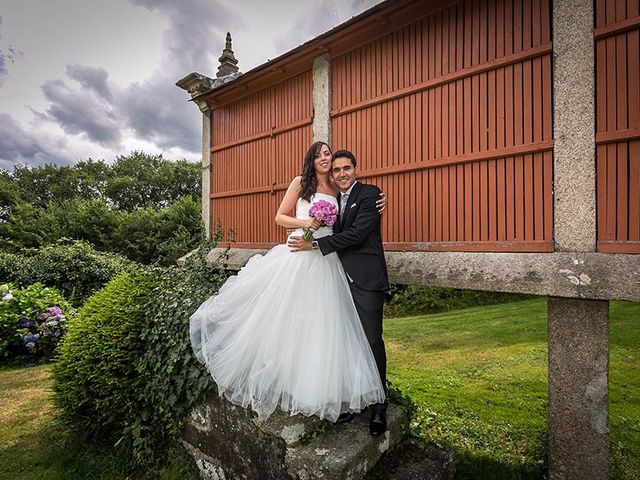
<point x="175" y="382"/>
<point x="95" y="378"/>
<point x="74" y="267"/>
<point x="32" y="320"/>
<point x="126" y="370"/>
<point x="408" y="300"/>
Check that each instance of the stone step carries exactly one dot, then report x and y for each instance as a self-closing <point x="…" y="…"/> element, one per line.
<point x="228" y="442"/>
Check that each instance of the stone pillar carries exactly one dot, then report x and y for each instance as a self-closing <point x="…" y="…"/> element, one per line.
<point x="322" y="98"/>
<point x="574" y="162"/>
<point x="578" y="329"/>
<point x="206" y="171"/>
<point x="578" y="391"/>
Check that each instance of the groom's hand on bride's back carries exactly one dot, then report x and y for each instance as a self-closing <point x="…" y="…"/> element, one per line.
<point x="381" y="203"/>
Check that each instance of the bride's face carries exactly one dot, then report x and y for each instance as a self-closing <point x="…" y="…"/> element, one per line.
<point x="322" y="162"/>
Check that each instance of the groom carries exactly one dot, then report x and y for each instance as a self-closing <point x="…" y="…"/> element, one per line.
<point x="358" y="240"/>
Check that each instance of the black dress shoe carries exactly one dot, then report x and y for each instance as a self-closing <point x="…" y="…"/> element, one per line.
<point x="378" y="423"/>
<point x="345" y="417"/>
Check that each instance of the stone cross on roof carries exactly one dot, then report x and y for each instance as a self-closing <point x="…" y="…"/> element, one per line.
<point x="228" y="62"/>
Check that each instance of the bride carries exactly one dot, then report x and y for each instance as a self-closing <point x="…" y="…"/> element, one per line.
<point x="284" y="331"/>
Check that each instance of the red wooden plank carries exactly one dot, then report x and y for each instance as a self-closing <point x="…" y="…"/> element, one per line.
<point x="548" y="195"/>
<point x="621" y="81"/>
<point x="459" y="212"/>
<point x="492" y="110"/>
<point x="600" y="13"/>
<point x="547" y="99"/>
<point x="451" y="113"/>
<point x="611" y="192"/>
<point x="527" y="97"/>
<point x="518" y="104"/>
<point x="476" y="214"/>
<point x="475" y="36"/>
<point x="510" y="209"/>
<point x="537" y="99"/>
<point x="535" y="22"/>
<point x="468" y="210"/>
<point x="492" y="31"/>
<point x="634" y="190"/>
<point x="437" y="92"/>
<point x="622" y="200"/>
<point x="446" y="205"/>
<point x="633" y="69"/>
<point x="483" y="112"/>
<point x="438" y="200"/>
<point x="453" y="203"/>
<point x="446" y="128"/>
<point x="483" y="34"/>
<point x="467" y="46"/>
<point x="611" y="83"/>
<point x="460" y="109"/>
<point x="460" y="36"/>
<point x="508" y="27"/>
<point x="502" y="199"/>
<point x="504" y="112"/>
<point x="601" y="191"/>
<point x="432" y="205"/>
<point x="517" y="26"/>
<point x="621" y="9"/>
<point x="432" y="125"/>
<point x="484" y="201"/>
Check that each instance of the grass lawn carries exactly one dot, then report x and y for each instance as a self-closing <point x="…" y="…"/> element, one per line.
<point x="33" y="446"/>
<point x="478" y="377"/>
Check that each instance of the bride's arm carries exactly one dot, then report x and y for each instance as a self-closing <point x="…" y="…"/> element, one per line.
<point x="288" y="204"/>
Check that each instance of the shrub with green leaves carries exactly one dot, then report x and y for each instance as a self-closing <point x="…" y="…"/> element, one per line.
<point x="409" y="300"/>
<point x="175" y="382"/>
<point x="76" y="268"/>
<point x="95" y="377"/>
<point x="126" y="370"/>
<point x="32" y="320"/>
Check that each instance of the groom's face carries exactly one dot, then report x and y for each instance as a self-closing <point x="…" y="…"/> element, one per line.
<point x="343" y="172"/>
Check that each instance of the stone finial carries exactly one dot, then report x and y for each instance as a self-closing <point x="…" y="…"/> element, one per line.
<point x="228" y="62"/>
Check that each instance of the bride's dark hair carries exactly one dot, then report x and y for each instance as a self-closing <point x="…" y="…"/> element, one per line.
<point x="309" y="182"/>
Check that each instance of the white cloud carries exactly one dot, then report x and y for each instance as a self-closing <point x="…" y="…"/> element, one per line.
<point x="97" y="78"/>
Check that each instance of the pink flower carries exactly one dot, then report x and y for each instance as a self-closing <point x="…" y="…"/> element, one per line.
<point x="323" y="211"/>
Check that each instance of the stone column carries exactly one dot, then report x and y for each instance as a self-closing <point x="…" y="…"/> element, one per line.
<point x="322" y="98"/>
<point x="206" y="171"/>
<point x="578" y="329"/>
<point x="578" y="393"/>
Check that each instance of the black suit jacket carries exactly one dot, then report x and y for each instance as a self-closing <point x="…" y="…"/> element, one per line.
<point x="358" y="239"/>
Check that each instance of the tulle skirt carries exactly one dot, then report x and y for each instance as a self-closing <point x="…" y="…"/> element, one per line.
<point x="285" y="331"/>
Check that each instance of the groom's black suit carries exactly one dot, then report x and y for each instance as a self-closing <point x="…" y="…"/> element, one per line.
<point x="358" y="240"/>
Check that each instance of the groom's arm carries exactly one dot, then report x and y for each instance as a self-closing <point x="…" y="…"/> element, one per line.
<point x="366" y="220"/>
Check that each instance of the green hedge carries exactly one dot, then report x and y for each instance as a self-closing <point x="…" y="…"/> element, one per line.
<point x="126" y="370"/>
<point x="95" y="378"/>
<point x="409" y="300"/>
<point x="74" y="267"/>
<point x="175" y="382"/>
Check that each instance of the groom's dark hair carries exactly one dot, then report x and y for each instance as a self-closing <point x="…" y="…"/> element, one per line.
<point x="345" y="154"/>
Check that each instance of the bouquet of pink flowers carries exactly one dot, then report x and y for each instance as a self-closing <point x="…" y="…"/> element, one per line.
<point x="323" y="211"/>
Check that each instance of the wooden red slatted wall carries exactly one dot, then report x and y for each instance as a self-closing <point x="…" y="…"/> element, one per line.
<point x="258" y="143"/>
<point x="452" y="117"/>
<point x="617" y="41"/>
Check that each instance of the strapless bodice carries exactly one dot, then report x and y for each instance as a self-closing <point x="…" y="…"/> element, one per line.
<point x="302" y="212"/>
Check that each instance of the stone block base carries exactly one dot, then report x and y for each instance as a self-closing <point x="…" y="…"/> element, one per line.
<point x="229" y="442"/>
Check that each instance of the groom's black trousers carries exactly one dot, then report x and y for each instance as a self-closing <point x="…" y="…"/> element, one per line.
<point x="369" y="306"/>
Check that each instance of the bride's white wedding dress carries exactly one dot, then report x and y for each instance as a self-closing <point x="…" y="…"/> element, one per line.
<point x="285" y="331"/>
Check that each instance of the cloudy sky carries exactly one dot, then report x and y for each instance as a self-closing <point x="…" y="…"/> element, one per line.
<point x="96" y="78"/>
